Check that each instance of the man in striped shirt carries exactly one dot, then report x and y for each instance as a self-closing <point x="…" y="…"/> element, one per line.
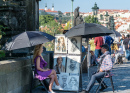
<point x="105" y="64"/>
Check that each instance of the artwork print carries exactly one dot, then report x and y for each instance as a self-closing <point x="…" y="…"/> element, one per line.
<point x="60" y="44"/>
<point x="59" y="63"/>
<point x="74" y="45"/>
<point x="73" y="82"/>
<point x="73" y="63"/>
<point x="63" y="81"/>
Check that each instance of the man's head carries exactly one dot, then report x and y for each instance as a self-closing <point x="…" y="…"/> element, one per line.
<point x="104" y="48"/>
<point x="92" y="53"/>
<point x="64" y="78"/>
<point x="127" y="36"/>
<point x="123" y="36"/>
<point x="74" y="41"/>
<point x="73" y="63"/>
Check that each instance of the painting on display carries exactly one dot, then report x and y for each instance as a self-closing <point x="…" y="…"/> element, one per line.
<point x="73" y="64"/>
<point x="74" y="45"/>
<point x="59" y="63"/>
<point x="63" y="81"/>
<point x="73" y="82"/>
<point x="60" y="44"/>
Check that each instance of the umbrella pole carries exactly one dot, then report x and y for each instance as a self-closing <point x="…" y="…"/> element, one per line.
<point x="88" y="59"/>
<point x="87" y="54"/>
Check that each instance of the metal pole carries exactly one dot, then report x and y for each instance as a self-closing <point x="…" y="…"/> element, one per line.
<point x="88" y="64"/>
<point x="72" y="14"/>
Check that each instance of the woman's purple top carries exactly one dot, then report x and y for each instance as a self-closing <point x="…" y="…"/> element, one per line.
<point x="41" y="75"/>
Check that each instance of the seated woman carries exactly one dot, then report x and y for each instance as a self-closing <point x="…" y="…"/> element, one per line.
<point x="43" y="73"/>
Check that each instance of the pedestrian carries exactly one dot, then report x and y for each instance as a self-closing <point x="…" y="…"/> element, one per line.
<point x="119" y="52"/>
<point x="114" y="47"/>
<point x="104" y="67"/>
<point x="109" y="40"/>
<point x="98" y="41"/>
<point x="121" y="41"/>
<point x="93" y="59"/>
<point x="41" y="72"/>
<point x="92" y="45"/>
<point x="125" y="42"/>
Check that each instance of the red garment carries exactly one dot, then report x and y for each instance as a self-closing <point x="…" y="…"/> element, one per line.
<point x="99" y="42"/>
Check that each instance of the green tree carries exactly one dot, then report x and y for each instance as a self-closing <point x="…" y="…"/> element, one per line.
<point x="52" y="28"/>
<point x="2" y="28"/>
<point x="43" y="19"/>
<point x="60" y="13"/>
<point x="91" y="19"/>
<point x="43" y="13"/>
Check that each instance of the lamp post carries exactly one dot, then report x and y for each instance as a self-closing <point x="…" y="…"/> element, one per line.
<point x="72" y="14"/>
<point x="112" y="23"/>
<point x="95" y="10"/>
<point x="106" y="15"/>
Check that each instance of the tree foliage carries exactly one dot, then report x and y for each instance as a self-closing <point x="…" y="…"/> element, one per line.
<point x="43" y="19"/>
<point x="2" y="28"/>
<point x="60" y="13"/>
<point x="51" y="27"/>
<point x="91" y="19"/>
<point x="43" y="13"/>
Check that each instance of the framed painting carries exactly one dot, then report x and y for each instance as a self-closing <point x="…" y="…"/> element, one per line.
<point x="63" y="81"/>
<point x="60" y="43"/>
<point x="59" y="63"/>
<point x="73" y="64"/>
<point x="73" y="82"/>
<point x="74" y="45"/>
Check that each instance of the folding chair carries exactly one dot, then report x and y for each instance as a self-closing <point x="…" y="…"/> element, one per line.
<point x="42" y="82"/>
<point x="107" y="75"/>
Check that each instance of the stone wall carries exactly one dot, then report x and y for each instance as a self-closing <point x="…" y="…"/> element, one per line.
<point x="15" y="75"/>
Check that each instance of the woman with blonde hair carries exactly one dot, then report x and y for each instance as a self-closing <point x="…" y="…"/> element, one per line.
<point x="43" y="73"/>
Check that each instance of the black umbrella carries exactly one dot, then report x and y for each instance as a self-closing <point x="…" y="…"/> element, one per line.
<point x="88" y="30"/>
<point x="28" y="39"/>
<point x="115" y="34"/>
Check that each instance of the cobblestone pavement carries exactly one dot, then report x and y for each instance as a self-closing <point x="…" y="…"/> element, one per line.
<point x="121" y="80"/>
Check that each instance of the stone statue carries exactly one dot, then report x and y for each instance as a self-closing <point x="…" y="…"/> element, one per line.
<point x="111" y="24"/>
<point x="77" y="18"/>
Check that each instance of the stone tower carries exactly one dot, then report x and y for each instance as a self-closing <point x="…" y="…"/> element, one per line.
<point x="52" y="7"/>
<point x="46" y="7"/>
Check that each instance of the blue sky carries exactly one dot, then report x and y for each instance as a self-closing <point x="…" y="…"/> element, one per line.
<point x="85" y="5"/>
